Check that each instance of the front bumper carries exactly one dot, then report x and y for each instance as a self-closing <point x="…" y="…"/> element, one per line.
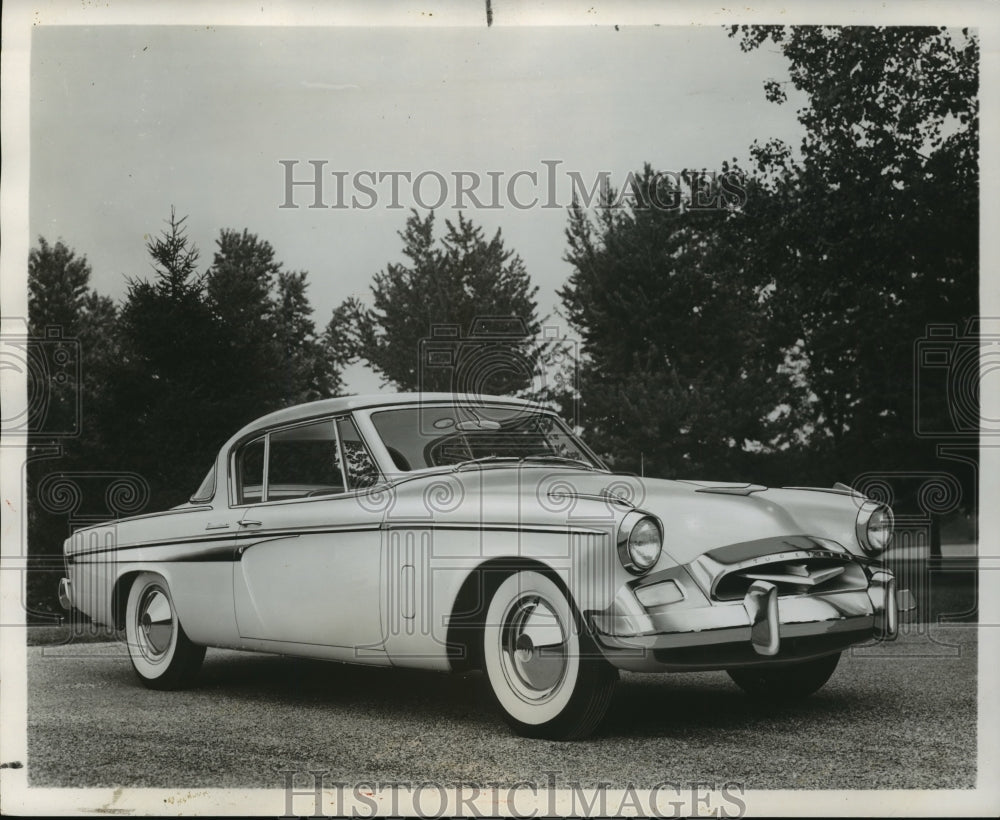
<point x="763" y="628"/>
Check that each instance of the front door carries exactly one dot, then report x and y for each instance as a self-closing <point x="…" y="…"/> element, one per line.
<point x="308" y="548"/>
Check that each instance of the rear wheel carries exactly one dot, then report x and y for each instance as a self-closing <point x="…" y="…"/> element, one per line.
<point x="162" y="654"/>
<point x="788" y="682"/>
<point x="546" y="674"/>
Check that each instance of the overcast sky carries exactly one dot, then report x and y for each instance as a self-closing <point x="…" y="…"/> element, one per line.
<point x="129" y="120"/>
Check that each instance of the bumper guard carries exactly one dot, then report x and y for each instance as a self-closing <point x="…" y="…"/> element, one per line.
<point x="66" y="593"/>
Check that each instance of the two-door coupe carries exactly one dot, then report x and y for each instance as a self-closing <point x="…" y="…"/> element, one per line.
<point x="456" y="532"/>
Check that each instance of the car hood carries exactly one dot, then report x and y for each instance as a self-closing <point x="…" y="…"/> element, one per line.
<point x="697" y="516"/>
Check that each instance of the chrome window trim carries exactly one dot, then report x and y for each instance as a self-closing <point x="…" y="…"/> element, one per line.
<point x="267" y="458"/>
<point x="375" y="446"/>
<point x="340" y="453"/>
<point x="306" y="499"/>
<point x="232" y="473"/>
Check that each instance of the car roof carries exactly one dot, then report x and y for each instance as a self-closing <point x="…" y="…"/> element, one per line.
<point x="343" y="404"/>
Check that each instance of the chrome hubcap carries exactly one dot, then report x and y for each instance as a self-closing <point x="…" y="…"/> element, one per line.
<point x="533" y="648"/>
<point x="156" y="622"/>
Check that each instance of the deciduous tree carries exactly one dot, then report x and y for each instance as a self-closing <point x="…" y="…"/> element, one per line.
<point x="869" y="231"/>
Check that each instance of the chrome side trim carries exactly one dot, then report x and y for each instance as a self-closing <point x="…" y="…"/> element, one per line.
<point x="611" y="498"/>
<point x="748" y="489"/>
<point x="836" y="489"/>
<point x="113" y="522"/>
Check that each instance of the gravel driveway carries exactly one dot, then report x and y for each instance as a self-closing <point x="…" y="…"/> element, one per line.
<point x="901" y="715"/>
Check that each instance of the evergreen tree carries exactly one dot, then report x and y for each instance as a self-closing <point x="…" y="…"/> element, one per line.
<point x="167" y="406"/>
<point x="463" y="278"/>
<point x="677" y="380"/>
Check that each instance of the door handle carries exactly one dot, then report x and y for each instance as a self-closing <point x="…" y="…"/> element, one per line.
<point x="223" y="526"/>
<point x="246" y="523"/>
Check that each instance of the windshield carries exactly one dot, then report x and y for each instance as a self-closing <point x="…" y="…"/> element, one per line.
<point x="421" y="437"/>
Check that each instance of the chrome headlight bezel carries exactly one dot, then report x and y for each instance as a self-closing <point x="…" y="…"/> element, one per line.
<point x="636" y="523"/>
<point x="874" y="527"/>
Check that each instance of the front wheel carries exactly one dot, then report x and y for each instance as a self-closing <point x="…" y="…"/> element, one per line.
<point x="790" y="682"/>
<point x="545" y="673"/>
<point x="162" y="654"/>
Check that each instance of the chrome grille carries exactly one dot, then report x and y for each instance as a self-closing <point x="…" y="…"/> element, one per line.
<point x="796" y="576"/>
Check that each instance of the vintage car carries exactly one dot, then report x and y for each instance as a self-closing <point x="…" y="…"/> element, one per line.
<point x="458" y="532"/>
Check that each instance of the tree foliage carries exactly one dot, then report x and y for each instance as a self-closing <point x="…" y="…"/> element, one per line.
<point x="454" y="281"/>
<point x="189" y="357"/>
<point x="62" y="305"/>
<point x="202" y="353"/>
<point x="266" y="325"/>
<point x="676" y="380"/>
<point x="58" y="286"/>
<point x="70" y="346"/>
<point x="166" y="393"/>
<point x="781" y="336"/>
<point x="869" y="234"/>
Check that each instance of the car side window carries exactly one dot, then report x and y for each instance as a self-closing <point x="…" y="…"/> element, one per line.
<point x="250" y="472"/>
<point x="303" y="461"/>
<point x="360" y="466"/>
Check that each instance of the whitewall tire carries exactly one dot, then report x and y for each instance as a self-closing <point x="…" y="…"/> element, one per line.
<point x="162" y="654"/>
<point x="545" y="672"/>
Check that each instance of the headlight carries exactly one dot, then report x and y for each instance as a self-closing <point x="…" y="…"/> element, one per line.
<point x="640" y="539"/>
<point x="874" y="527"/>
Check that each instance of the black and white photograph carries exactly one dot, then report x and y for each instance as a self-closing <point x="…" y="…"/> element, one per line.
<point x="499" y="409"/>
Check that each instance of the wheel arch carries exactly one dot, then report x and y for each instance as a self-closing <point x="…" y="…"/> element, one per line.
<point x="468" y="611"/>
<point x="119" y="596"/>
<point x="119" y="593"/>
